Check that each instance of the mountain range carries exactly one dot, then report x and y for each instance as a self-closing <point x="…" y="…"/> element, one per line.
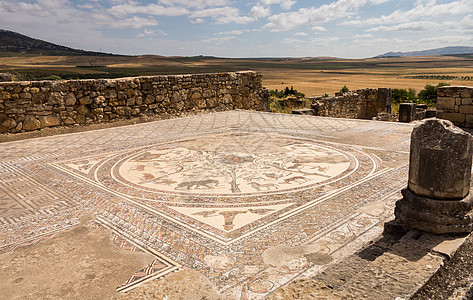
<point x="438" y="51"/>
<point x="18" y="43"/>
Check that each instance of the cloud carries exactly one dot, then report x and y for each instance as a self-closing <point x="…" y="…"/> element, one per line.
<point x="151" y="33"/>
<point x="447" y="40"/>
<point x="132" y="22"/>
<point x="259" y="11"/>
<point x="378" y="1"/>
<point x="318" y="28"/>
<point x="326" y="41"/>
<point x="361" y="36"/>
<point x="222" y="15"/>
<point x="232" y="32"/>
<point x="412" y="26"/>
<point x="194" y="3"/>
<point x="293" y="41"/>
<point x="313" y="15"/>
<point x="301" y="34"/>
<point x="150" y="9"/>
<point x="285" y="4"/>
<point x="88" y="6"/>
<point x="465" y="25"/>
<point x="421" y="10"/>
<point x="219" y="39"/>
<point x="41" y="8"/>
<point x="197" y="21"/>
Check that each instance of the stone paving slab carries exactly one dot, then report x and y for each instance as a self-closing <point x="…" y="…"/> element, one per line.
<point x="216" y="193"/>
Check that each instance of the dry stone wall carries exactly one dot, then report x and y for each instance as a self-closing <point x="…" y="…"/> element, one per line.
<point x="359" y="104"/>
<point x="455" y="103"/>
<point x="32" y="105"/>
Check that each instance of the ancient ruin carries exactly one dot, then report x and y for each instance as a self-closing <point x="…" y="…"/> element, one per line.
<point x="407" y="112"/>
<point x="455" y="103"/>
<point x="231" y="204"/>
<point x="27" y="106"/>
<point x="437" y="198"/>
<point x="359" y="104"/>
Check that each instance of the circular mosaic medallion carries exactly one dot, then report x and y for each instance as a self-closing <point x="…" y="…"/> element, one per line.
<point x="226" y="165"/>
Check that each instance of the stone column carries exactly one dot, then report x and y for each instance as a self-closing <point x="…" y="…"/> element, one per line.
<point x="407" y="112"/>
<point x="437" y="198"/>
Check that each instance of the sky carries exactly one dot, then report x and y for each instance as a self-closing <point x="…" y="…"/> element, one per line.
<point x="230" y="28"/>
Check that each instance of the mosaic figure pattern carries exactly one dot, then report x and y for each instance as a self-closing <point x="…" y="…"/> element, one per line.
<point x="212" y="192"/>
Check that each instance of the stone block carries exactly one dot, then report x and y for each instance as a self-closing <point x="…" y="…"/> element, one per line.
<point x="407" y="112"/>
<point x="443" y="92"/>
<point x="469" y="121"/>
<point x="446" y="103"/>
<point x="304" y="111"/>
<point x="31" y="123"/>
<point x="466" y="109"/>
<point x="49" y="121"/>
<point x="421" y="106"/>
<point x="55" y="98"/>
<point x="456" y="118"/>
<point x="440" y="160"/>
<point x="420" y="114"/>
<point x="430" y="113"/>
<point x="70" y="99"/>
<point x="85" y="100"/>
<point x="6" y="123"/>
<point x="467" y="101"/>
<point x="466" y="92"/>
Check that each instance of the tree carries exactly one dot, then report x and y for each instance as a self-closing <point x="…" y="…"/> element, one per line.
<point x="429" y="93"/>
<point x="399" y="94"/>
<point x="292" y="92"/>
<point x="411" y="94"/>
<point x="403" y="94"/>
<point x="344" y="89"/>
<point x="286" y="91"/>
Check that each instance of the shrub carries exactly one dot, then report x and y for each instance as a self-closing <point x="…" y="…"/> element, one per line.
<point x="429" y="93"/>
<point x="400" y="95"/>
<point x="52" y="77"/>
<point x="344" y="89"/>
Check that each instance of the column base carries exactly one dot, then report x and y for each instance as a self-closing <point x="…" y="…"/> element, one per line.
<point x="435" y="215"/>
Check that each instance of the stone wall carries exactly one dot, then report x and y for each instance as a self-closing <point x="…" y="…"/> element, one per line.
<point x="455" y="103"/>
<point x="31" y="105"/>
<point x="359" y="104"/>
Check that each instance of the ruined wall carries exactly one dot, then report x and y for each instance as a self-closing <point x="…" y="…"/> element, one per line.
<point x="359" y="104"/>
<point x="455" y="103"/>
<point x="31" y="105"/>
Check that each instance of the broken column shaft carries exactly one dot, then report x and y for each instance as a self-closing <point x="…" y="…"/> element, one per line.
<point x="437" y="198"/>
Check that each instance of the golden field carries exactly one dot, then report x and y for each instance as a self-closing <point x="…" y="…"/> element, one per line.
<point x="312" y="76"/>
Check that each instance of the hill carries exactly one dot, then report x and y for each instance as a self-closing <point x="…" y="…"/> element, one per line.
<point x="438" y="51"/>
<point x="14" y="42"/>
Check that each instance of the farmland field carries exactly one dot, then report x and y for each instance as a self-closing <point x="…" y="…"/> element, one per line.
<point x="312" y="76"/>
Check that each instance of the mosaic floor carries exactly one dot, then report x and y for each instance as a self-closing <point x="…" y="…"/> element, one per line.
<point x="212" y="192"/>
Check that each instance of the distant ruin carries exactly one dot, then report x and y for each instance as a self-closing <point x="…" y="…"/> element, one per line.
<point x="359" y="104"/>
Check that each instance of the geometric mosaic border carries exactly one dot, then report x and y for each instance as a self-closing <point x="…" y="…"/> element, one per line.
<point x="159" y="267"/>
